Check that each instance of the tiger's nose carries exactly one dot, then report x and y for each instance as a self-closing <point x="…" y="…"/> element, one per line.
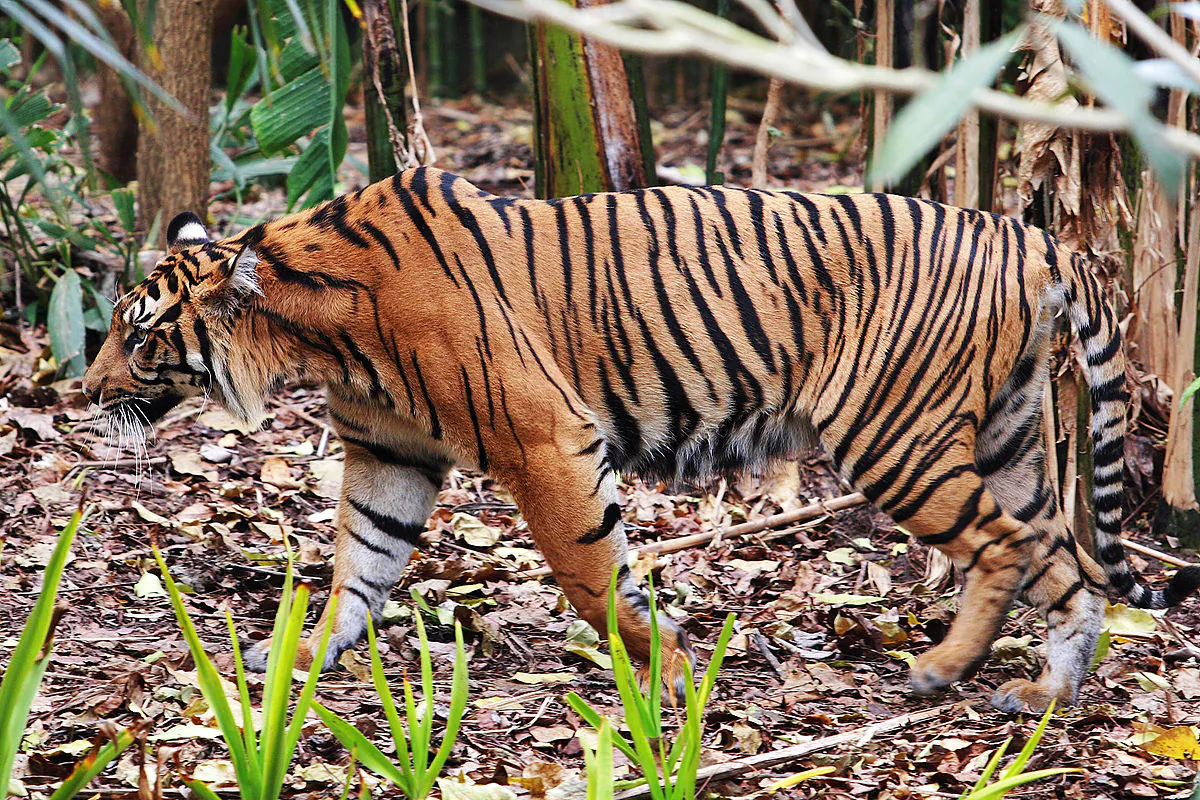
<point x="93" y="392"/>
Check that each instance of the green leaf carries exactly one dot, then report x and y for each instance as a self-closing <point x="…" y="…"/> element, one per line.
<point x="244" y="764"/>
<point x="91" y="765"/>
<point x="368" y="754"/>
<point x="242" y="65"/>
<point x="126" y="215"/>
<point x="294" y="110"/>
<point x="1002" y="787"/>
<point x="1112" y="77"/>
<point x="29" y="659"/>
<point x="9" y="54"/>
<point x="1189" y="392"/>
<point x="926" y="118"/>
<point x="64" y="318"/>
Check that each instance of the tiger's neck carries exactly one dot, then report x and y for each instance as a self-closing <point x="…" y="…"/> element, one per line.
<point x="313" y="319"/>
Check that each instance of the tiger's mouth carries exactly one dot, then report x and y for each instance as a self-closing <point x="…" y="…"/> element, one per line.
<point x="146" y="410"/>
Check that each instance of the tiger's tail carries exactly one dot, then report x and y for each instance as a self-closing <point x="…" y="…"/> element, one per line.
<point x="1099" y="340"/>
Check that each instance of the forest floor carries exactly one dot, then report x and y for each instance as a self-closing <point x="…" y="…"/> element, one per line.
<point x="826" y="616"/>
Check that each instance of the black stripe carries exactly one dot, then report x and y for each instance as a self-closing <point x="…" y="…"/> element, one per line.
<point x="612" y="515"/>
<point x="409" y="532"/>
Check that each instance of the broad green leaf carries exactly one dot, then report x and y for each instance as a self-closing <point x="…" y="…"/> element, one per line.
<point x="294" y="110"/>
<point x="926" y="118"/>
<point x="9" y="54"/>
<point x="64" y="318"/>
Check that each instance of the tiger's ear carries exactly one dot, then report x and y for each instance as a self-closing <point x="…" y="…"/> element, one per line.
<point x="239" y="275"/>
<point x="234" y="282"/>
<point x="186" y="230"/>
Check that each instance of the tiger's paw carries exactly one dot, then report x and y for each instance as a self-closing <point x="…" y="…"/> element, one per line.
<point x="255" y="657"/>
<point x="1019" y="694"/>
<point x="677" y="661"/>
<point x="936" y="669"/>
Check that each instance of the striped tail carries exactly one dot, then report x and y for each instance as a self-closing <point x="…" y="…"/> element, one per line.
<point x="1100" y="340"/>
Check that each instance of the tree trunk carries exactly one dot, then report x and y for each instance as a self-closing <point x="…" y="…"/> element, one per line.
<point x="385" y="74"/>
<point x="114" y="120"/>
<point x="174" y="165"/>
<point x="1179" y="513"/>
<point x="966" y="162"/>
<point x="587" y="133"/>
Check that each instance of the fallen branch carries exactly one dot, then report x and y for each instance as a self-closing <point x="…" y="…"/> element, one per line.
<point x="1161" y="556"/>
<point x="810" y="511"/>
<point x="859" y="736"/>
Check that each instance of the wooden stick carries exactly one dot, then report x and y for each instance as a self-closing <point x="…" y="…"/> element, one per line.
<point x="1161" y="556"/>
<point x="119" y="462"/>
<point x="858" y="736"/>
<point x="810" y="511"/>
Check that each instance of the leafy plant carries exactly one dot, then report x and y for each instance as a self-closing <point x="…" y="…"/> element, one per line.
<point x="29" y="660"/>
<point x="24" y="674"/>
<point x="670" y="772"/>
<point x="304" y="65"/>
<point x="70" y="303"/>
<point x="599" y="765"/>
<point x="412" y="772"/>
<point x="1014" y="776"/>
<point x="260" y="761"/>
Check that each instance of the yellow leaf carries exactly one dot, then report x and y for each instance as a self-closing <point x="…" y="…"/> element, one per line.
<point x="543" y="677"/>
<point x="1121" y="619"/>
<point x="1175" y="743"/>
<point x="846" y="599"/>
<point x="471" y="530"/>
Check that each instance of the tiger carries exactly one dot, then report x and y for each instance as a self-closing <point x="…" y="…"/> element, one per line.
<point x="672" y="332"/>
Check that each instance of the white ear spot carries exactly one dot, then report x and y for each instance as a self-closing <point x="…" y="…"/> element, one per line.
<point x="192" y="232"/>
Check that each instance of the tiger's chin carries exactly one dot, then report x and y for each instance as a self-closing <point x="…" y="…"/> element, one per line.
<point x="141" y="412"/>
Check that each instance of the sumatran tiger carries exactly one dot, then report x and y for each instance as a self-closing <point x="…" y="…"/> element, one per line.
<point x="672" y="332"/>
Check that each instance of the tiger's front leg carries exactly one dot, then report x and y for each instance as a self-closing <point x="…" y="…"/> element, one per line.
<point x="390" y="484"/>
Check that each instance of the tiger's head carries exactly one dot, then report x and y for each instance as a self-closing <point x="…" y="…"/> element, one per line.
<point x="171" y="334"/>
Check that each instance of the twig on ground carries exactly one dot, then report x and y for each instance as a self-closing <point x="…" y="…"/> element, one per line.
<point x="1161" y="556"/>
<point x="764" y="647"/>
<point x="118" y="462"/>
<point x="817" y="509"/>
<point x="857" y="737"/>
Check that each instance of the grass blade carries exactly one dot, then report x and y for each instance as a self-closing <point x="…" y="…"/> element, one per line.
<point x="249" y="777"/>
<point x="459" y="689"/>
<point x="1027" y="751"/>
<point x="369" y="755"/>
<point x="1002" y="787"/>
<point x="31" y="656"/>
<point x="92" y="764"/>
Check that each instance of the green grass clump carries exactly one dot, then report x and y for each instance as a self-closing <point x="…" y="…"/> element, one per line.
<point x="412" y="771"/>
<point x="260" y="762"/>
<point x="668" y="767"/>
<point x="1014" y="775"/>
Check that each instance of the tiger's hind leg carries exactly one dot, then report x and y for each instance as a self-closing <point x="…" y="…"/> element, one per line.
<point x="934" y="491"/>
<point x="1063" y="583"/>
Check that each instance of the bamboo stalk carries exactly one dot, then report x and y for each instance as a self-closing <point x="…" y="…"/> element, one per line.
<point x="716" y="126"/>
